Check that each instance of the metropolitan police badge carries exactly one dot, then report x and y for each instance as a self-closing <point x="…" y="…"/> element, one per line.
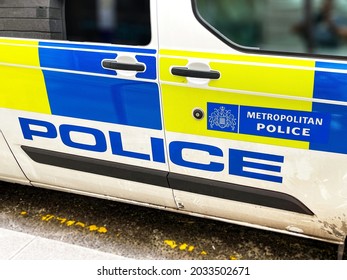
<point x="222" y="117"/>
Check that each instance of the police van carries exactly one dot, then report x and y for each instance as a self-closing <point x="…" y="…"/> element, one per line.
<point x="226" y="109"/>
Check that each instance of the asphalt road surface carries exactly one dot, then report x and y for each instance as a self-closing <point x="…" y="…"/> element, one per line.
<point x="144" y="233"/>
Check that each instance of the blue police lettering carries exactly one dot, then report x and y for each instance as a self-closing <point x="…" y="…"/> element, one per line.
<point x="100" y="141"/>
<point x="238" y="160"/>
<point x="36" y="128"/>
<point x="288" y="130"/>
<point x="117" y="147"/>
<point x="28" y="131"/>
<point x="176" y="155"/>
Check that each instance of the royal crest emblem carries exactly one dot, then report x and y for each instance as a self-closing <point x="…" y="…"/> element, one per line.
<point x="222" y="118"/>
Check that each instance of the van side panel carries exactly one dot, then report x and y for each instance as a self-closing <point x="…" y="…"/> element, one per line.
<point x="9" y="168"/>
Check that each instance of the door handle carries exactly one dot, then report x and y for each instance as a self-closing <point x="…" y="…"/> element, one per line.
<point x="186" y="72"/>
<point x="114" y="65"/>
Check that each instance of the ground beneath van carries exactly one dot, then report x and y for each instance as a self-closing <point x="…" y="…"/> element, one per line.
<point x="143" y="233"/>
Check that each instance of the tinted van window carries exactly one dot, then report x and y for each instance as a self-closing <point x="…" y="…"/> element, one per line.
<point x="104" y="21"/>
<point x="299" y="26"/>
<point x="108" y="21"/>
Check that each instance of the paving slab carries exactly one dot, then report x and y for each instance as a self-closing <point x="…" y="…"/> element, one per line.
<point x="22" y="246"/>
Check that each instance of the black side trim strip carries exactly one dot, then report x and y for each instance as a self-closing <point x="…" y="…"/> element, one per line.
<point x="100" y="167"/>
<point x="169" y="180"/>
<point x="237" y="193"/>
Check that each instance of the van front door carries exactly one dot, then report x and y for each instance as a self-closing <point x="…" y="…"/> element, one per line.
<point x="247" y="119"/>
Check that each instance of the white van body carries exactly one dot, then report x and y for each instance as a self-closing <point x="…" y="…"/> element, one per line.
<point x="188" y="122"/>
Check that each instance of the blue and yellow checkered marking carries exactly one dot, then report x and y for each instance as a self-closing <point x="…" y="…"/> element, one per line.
<point x="32" y="73"/>
<point x="87" y="58"/>
<point x="22" y="88"/>
<point x="254" y="81"/>
<point x="98" y="97"/>
<point x="331" y="85"/>
<point x="103" y="99"/>
<point x="72" y="83"/>
<point x="267" y="85"/>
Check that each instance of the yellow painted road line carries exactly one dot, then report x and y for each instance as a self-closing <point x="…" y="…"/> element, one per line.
<point x="73" y="224"/>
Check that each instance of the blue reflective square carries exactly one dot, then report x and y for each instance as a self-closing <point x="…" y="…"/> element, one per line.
<point x="223" y="117"/>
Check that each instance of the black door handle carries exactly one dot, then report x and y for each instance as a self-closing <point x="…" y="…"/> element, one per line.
<point x="114" y="65"/>
<point x="186" y="72"/>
